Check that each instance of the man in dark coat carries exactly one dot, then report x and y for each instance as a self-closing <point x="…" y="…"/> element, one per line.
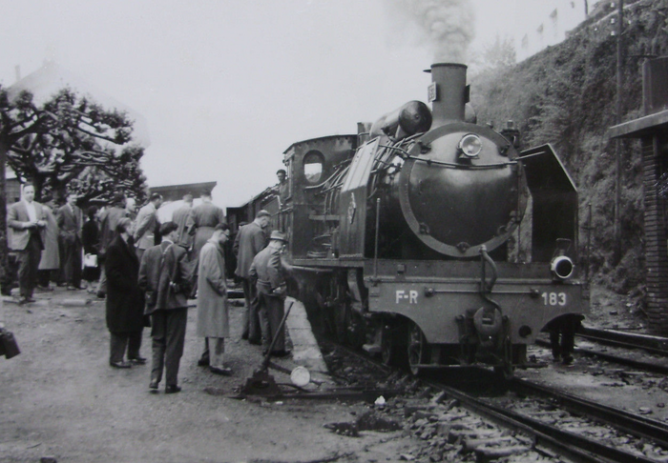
<point x="26" y="221"/>
<point x="269" y="274"/>
<point x="125" y="300"/>
<point x="70" y="223"/>
<point x="108" y="221"/>
<point x="165" y="275"/>
<point x="250" y="240"/>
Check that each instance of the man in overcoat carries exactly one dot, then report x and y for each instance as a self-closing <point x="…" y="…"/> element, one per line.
<point x="70" y="223"/>
<point x="180" y="218"/>
<point x="26" y="221"/>
<point x="202" y="220"/>
<point x="269" y="275"/>
<point x="165" y="277"/>
<point x="212" y="308"/>
<point x="108" y="221"/>
<point x="125" y="300"/>
<point x="250" y="240"/>
<point x="146" y="224"/>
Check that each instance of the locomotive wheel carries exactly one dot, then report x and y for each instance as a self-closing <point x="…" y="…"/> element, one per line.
<point x="417" y="349"/>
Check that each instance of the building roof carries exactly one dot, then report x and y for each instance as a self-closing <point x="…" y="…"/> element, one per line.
<point x="641" y="127"/>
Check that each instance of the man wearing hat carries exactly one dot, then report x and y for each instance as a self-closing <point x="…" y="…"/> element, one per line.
<point x="269" y="275"/>
<point x="250" y="240"/>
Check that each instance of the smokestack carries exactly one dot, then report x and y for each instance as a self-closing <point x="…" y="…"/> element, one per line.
<point x="448" y="93"/>
<point x="17" y="71"/>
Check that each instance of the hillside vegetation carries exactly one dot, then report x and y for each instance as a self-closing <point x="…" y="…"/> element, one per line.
<point x="565" y="96"/>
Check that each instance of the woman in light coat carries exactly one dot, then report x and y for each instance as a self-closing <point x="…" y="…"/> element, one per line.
<point x="212" y="307"/>
<point x="50" y="260"/>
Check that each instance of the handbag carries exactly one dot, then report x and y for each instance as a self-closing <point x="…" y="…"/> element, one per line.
<point x="8" y="345"/>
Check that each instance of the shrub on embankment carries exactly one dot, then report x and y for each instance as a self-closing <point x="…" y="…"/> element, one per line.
<point x="566" y="96"/>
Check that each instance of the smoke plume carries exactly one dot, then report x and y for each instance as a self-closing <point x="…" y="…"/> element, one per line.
<point x="446" y="25"/>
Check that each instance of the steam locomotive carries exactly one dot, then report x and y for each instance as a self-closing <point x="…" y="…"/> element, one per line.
<point x="430" y="240"/>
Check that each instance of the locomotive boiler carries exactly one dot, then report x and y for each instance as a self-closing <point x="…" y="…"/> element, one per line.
<point x="429" y="239"/>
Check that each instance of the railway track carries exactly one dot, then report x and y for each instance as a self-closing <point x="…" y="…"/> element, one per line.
<point x="533" y="418"/>
<point x="655" y="348"/>
<point x="653" y="344"/>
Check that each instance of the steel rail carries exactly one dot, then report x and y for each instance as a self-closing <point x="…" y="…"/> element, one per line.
<point x="637" y="364"/>
<point x="653" y="344"/>
<point x="565" y="443"/>
<point x="635" y="425"/>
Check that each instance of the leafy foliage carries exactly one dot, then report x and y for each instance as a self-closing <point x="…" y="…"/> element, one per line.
<point x="566" y="95"/>
<point x="70" y="144"/>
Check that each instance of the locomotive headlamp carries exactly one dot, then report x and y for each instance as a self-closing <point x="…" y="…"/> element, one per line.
<point x="470" y="145"/>
<point x="562" y="267"/>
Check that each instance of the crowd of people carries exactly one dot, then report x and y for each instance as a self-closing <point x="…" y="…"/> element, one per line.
<point x="148" y="270"/>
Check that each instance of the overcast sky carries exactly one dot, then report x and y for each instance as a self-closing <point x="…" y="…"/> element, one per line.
<point x="226" y="86"/>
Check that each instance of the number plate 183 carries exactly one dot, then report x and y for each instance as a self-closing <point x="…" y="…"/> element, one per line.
<point x="554" y="299"/>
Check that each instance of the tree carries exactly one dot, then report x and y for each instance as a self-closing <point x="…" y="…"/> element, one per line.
<point x="66" y="137"/>
<point x="495" y="56"/>
<point x="67" y="144"/>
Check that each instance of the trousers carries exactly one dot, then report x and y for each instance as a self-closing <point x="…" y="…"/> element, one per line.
<point x="214" y="350"/>
<point x="251" y="318"/>
<point x="120" y="341"/>
<point x="272" y="309"/>
<point x="28" y="265"/>
<point x="72" y="262"/>
<point x="168" y="332"/>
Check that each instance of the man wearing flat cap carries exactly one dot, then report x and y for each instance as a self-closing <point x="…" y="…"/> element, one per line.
<point x="269" y="275"/>
<point x="250" y="240"/>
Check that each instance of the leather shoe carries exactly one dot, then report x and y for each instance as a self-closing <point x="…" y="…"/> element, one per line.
<point x="225" y="371"/>
<point x="203" y="362"/>
<point x="153" y="387"/>
<point x="280" y="353"/>
<point x="121" y="364"/>
<point x="137" y="360"/>
<point x="255" y="342"/>
<point x="172" y="389"/>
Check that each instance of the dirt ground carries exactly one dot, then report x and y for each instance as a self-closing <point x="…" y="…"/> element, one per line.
<point x="61" y="398"/>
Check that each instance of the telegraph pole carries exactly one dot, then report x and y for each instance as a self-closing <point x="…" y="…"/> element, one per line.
<point x="618" y="144"/>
